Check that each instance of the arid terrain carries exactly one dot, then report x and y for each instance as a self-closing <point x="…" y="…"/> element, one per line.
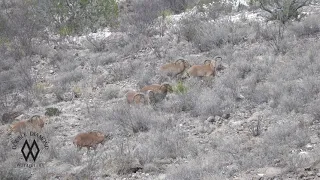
<point x="253" y="114"/>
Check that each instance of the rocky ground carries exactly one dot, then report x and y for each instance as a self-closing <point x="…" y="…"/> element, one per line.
<point x="86" y="104"/>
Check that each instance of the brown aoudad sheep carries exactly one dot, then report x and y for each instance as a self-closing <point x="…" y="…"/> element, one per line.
<point x="34" y="123"/>
<point x="159" y="90"/>
<point x="209" y="68"/>
<point x="174" y="69"/>
<point x="89" y="139"/>
<point x="135" y="97"/>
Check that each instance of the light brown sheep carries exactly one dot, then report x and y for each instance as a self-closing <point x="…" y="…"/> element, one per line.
<point x="158" y="88"/>
<point x="89" y="139"/>
<point x="209" y="68"/>
<point x="160" y="91"/>
<point x="135" y="97"/>
<point x="35" y="123"/>
<point x="17" y="127"/>
<point x="174" y="69"/>
<point x="140" y="98"/>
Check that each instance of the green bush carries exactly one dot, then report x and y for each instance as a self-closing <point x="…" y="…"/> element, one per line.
<point x="180" y="88"/>
<point x="52" y="112"/>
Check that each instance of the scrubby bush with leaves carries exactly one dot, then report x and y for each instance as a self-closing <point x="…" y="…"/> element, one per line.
<point x="282" y="11"/>
<point x="19" y="26"/>
<point x="207" y="36"/>
<point x="179" y="88"/>
<point x="15" y="83"/>
<point x="73" y="16"/>
<point x="133" y="119"/>
<point x="52" y="112"/>
<point x="306" y="27"/>
<point x="142" y="14"/>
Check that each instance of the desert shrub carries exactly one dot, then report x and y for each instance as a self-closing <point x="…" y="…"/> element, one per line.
<point x="205" y="166"/>
<point x="19" y="27"/>
<point x="218" y="9"/>
<point x="123" y="160"/>
<point x="179" y="88"/>
<point x="177" y="103"/>
<point x="62" y="86"/>
<point x="145" y="78"/>
<point x="74" y="16"/>
<point x="16" y="84"/>
<point x="70" y="156"/>
<point x="206" y="36"/>
<point x="288" y="132"/>
<point x="162" y="142"/>
<point x="107" y="59"/>
<point x="177" y="6"/>
<point x="94" y="44"/>
<point x="142" y="15"/>
<point x="133" y="119"/>
<point x="59" y="92"/>
<point x="312" y="109"/>
<point x="292" y="85"/>
<point x="168" y="144"/>
<point x="135" y="43"/>
<point x="193" y="170"/>
<point x="188" y="28"/>
<point x="284" y="11"/>
<point x="52" y="112"/>
<point x="111" y="92"/>
<point x="216" y="102"/>
<point x="308" y="26"/>
<point x="70" y="77"/>
<point x="270" y="33"/>
<point x="124" y="70"/>
<point x="221" y="97"/>
<point x="172" y="145"/>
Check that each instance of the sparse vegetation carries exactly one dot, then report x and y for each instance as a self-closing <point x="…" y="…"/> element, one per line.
<point x="256" y="114"/>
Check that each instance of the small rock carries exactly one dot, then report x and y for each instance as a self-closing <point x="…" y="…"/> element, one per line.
<point x="311" y="173"/>
<point x="277" y="161"/>
<point x="68" y="96"/>
<point x="226" y="116"/>
<point x="51" y="71"/>
<point x="260" y="175"/>
<point x="150" y="168"/>
<point x="211" y="119"/>
<point x="314" y="139"/>
<point x="270" y="171"/>
<point x="309" y="146"/>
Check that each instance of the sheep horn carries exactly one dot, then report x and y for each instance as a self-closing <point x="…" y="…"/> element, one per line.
<point x="139" y="100"/>
<point x="183" y="61"/>
<point x="205" y="62"/>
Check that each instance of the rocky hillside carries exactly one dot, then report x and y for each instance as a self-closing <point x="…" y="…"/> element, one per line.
<point x="257" y="118"/>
